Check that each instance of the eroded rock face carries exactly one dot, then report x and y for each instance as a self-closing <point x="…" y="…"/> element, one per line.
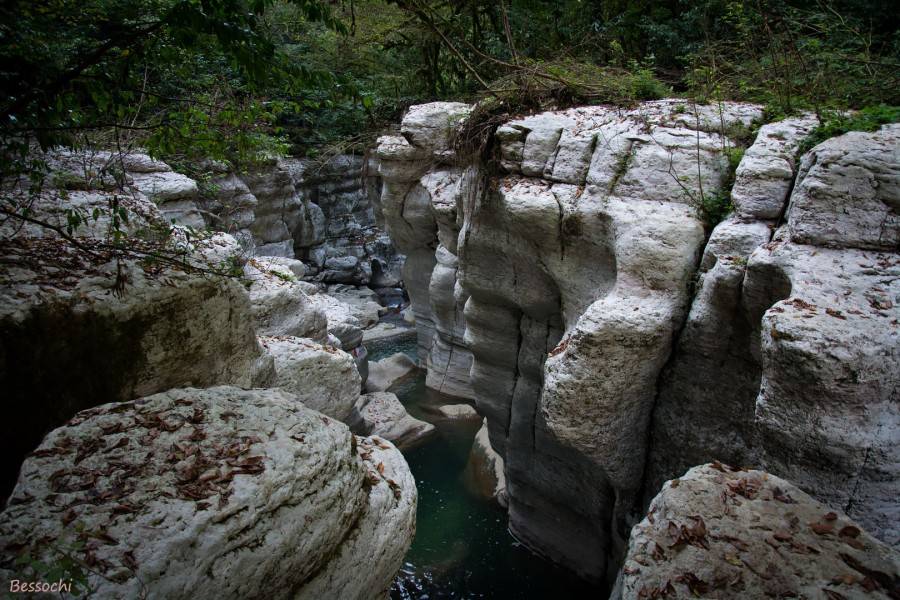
<point x="582" y="254"/>
<point x="722" y="533"/>
<point x="279" y="304"/>
<point x="423" y="212"/>
<point x="484" y="472"/>
<point x="388" y="372"/>
<point x="341" y="238"/>
<point x="598" y="315"/>
<point x="214" y="493"/>
<point x="800" y="333"/>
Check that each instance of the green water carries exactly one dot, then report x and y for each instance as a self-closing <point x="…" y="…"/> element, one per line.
<point x="462" y="547"/>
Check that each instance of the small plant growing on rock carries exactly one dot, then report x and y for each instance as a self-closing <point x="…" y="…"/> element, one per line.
<point x="835" y="123"/>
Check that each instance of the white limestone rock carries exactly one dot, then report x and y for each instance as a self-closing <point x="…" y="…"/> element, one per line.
<point x="382" y="414"/>
<point x="321" y="377"/>
<point x="484" y="472"/>
<point x="764" y="177"/>
<point x="458" y="412"/>
<point x="431" y="125"/>
<point x="218" y="493"/>
<point x="722" y="533"/>
<point x="280" y="306"/>
<point x="707" y="395"/>
<point x="826" y="412"/>
<point x="340" y="318"/>
<point x="118" y="330"/>
<point x="363" y="303"/>
<point x="848" y="192"/>
<point x="174" y="193"/>
<point x="388" y="372"/>
<point x="383" y="533"/>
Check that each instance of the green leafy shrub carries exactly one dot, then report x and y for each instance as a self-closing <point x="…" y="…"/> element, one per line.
<point x="838" y="123"/>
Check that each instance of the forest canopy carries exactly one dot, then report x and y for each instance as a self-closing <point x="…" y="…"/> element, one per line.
<point x="237" y="80"/>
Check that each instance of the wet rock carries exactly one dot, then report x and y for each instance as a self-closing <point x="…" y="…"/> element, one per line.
<point x="214" y="493"/>
<point x="721" y="533"/>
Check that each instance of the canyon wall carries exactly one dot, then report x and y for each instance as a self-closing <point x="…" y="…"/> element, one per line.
<point x="321" y="212"/>
<point x="612" y="344"/>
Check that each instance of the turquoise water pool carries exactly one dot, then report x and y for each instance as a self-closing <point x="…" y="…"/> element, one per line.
<point x="462" y="547"/>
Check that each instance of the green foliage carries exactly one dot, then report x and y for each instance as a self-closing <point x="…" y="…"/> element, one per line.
<point x="836" y="123"/>
<point x="242" y="80"/>
<point x="183" y="77"/>
<point x="715" y="207"/>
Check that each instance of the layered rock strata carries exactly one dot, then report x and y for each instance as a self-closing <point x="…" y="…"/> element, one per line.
<point x="320" y="212"/>
<point x="801" y="333"/>
<point x="614" y="344"/>
<point x="423" y="211"/>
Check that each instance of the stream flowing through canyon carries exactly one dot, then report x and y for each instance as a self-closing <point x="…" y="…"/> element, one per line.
<point x="462" y="548"/>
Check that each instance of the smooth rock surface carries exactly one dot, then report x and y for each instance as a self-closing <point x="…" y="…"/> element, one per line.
<point x="280" y="306"/>
<point x="460" y="412"/>
<point x="388" y="372"/>
<point x="382" y="414"/>
<point x="485" y="472"/>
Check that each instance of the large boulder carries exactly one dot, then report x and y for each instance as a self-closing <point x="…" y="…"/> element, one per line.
<point x="719" y="532"/>
<point x="341" y="321"/>
<point x="363" y="302"/>
<point x="388" y="372"/>
<point x="382" y="414"/>
<point x="321" y="377"/>
<point x="218" y="493"/>
<point x="81" y="329"/>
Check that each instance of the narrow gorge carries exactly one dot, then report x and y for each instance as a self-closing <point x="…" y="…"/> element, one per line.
<point x="592" y="387"/>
